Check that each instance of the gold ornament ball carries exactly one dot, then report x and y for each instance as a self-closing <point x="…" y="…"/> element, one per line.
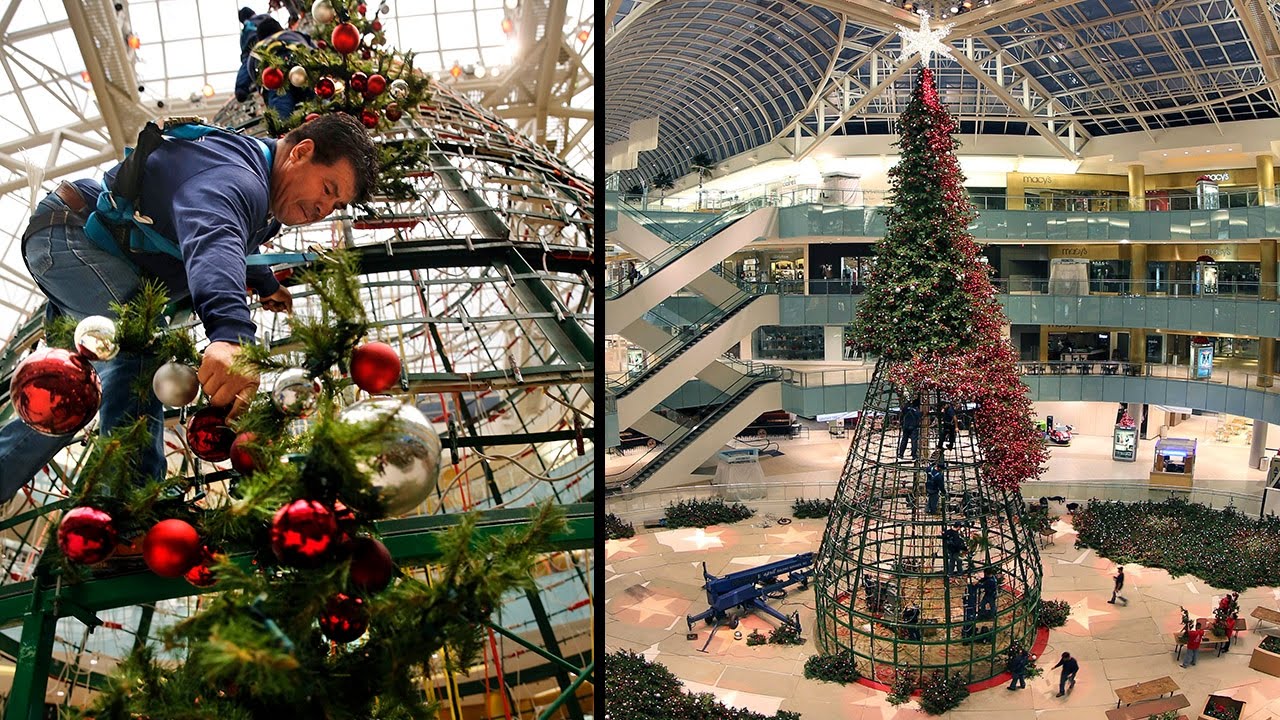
<point x="405" y="472"/>
<point x="298" y="76"/>
<point x="322" y="11"/>
<point x="96" y="338"/>
<point x="399" y="89"/>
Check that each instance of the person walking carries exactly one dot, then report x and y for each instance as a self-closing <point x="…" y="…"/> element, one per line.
<point x="1195" y="636"/>
<point x="910" y="423"/>
<point x="1069" y="669"/>
<point x="1119" y="580"/>
<point x="935" y="484"/>
<point x="950" y="423"/>
<point x="1018" y="668"/>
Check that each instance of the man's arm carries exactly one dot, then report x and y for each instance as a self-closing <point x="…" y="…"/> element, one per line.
<point x="244" y="79"/>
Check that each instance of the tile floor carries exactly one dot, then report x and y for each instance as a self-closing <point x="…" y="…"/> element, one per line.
<point x="654" y="579"/>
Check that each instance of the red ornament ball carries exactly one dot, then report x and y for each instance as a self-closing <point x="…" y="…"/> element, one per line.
<point x="243" y="458"/>
<point x="344" y="618"/>
<point x="369" y="117"/>
<point x="87" y="535"/>
<point x="307" y="119"/>
<point x="302" y="533"/>
<point x="272" y="78"/>
<point x="345" y="38"/>
<point x="393" y="112"/>
<point x="371" y="565"/>
<point x="375" y="367"/>
<point x="208" y="435"/>
<point x="321" y="44"/>
<point x="376" y="84"/>
<point x="171" y="547"/>
<point x="362" y="8"/>
<point x="55" y="392"/>
<point x="376" y="26"/>
<point x="201" y="574"/>
<point x="324" y="88"/>
<point x="358" y="82"/>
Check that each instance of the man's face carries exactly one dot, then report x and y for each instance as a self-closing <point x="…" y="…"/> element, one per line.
<point x="304" y="191"/>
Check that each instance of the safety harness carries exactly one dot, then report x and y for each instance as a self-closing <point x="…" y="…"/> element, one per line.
<point x="118" y="227"/>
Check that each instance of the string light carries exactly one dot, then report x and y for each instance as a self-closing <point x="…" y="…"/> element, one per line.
<point x="583" y="34"/>
<point x="456" y="70"/>
<point x="134" y="41"/>
<point x="508" y="27"/>
<point x="207" y="90"/>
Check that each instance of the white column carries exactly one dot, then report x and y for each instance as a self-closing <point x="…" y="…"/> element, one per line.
<point x="1258" y="447"/>
<point x="744" y="348"/>
<point x="833" y="343"/>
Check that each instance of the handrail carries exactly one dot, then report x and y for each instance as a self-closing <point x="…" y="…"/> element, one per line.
<point x="1120" y="201"/>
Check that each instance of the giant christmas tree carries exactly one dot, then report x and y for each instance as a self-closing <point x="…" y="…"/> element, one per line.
<point x="887" y="588"/>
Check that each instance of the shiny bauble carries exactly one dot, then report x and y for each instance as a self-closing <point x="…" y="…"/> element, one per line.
<point x="399" y="89"/>
<point x="345" y="38"/>
<point x="376" y="26"/>
<point x="376" y="84"/>
<point x="175" y="384"/>
<point x="375" y="367"/>
<point x="362" y="8"/>
<point x="55" y="392"/>
<point x="324" y="88"/>
<point x="371" y="565"/>
<point x="272" y="78"/>
<point x="408" y="467"/>
<point x="358" y="82"/>
<point x="96" y="338"/>
<point x="87" y="535"/>
<point x="339" y="87"/>
<point x="298" y="76"/>
<point x="245" y="459"/>
<point x="322" y="12"/>
<point x="344" y="618"/>
<point x="208" y="434"/>
<point x="369" y="117"/>
<point x="393" y="112"/>
<point x="384" y="9"/>
<point x="171" y="547"/>
<point x="295" y="393"/>
<point x="302" y="533"/>
<point x="201" y="574"/>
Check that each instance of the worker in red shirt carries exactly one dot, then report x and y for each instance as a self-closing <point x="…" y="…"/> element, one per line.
<point x="1194" y="636"/>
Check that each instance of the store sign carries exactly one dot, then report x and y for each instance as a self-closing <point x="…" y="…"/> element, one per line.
<point x="1204" y="360"/>
<point x="1218" y="177"/>
<point x="1037" y="180"/>
<point x="1125" y="444"/>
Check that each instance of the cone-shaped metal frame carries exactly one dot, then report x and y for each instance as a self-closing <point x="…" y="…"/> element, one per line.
<point x="881" y="581"/>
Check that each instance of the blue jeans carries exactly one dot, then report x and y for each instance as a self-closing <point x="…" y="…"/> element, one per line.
<point x="1190" y="659"/>
<point x="1062" y="682"/>
<point x="81" y="279"/>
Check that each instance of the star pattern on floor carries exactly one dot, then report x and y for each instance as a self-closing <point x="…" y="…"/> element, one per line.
<point x="792" y="535"/>
<point x="690" y="539"/>
<point x="1081" y="612"/>
<point x="1062" y="529"/>
<point x="613" y="548"/>
<point x="652" y="605"/>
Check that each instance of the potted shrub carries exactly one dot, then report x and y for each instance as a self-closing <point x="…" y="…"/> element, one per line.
<point x="1221" y="707"/>
<point x="1266" y="657"/>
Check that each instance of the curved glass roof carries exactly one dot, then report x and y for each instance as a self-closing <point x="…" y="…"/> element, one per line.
<point x="728" y="77"/>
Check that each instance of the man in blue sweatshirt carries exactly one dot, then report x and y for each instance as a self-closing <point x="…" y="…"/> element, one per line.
<point x="217" y="198"/>
<point x="273" y="40"/>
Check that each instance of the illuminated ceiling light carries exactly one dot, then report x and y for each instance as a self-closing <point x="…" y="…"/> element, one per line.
<point x="954" y="9"/>
<point x="207" y="90"/>
<point x="62" y="693"/>
<point x="967" y="4"/>
<point x="511" y="4"/>
<point x="134" y="41"/>
<point x="480" y="71"/>
<point x="583" y="34"/>
<point x="456" y="70"/>
<point x="508" y="27"/>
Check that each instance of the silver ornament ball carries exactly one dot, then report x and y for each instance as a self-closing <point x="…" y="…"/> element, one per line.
<point x="322" y="11"/>
<point x="175" y="384"/>
<point x="96" y="338"/>
<point x="295" y="392"/>
<point x="298" y="76"/>
<point x="408" y="468"/>
<point x="399" y="89"/>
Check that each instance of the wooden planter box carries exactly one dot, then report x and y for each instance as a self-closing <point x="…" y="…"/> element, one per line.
<point x="1229" y="702"/>
<point x="1266" y="661"/>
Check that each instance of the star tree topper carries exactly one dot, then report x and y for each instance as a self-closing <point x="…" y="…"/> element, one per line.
<point x="925" y="41"/>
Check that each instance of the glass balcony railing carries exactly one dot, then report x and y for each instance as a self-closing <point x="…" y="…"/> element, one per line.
<point x="1047" y="286"/>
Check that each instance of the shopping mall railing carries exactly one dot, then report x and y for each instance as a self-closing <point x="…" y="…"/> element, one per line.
<point x="776" y="498"/>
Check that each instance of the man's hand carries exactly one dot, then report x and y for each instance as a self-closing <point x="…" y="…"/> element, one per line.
<point x="223" y="386"/>
<point x="279" y="301"/>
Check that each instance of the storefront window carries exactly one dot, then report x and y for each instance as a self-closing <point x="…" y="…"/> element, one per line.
<point x="775" y="342"/>
<point x="1108" y="276"/>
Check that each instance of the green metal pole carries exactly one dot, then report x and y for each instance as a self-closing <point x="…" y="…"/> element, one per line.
<point x="569" y="692"/>
<point x="31" y="677"/>
<point x="144" y="627"/>
<point x="553" y="646"/>
<point x="534" y="648"/>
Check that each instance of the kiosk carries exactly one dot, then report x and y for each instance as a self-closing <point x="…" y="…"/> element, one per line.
<point x="1174" y="463"/>
<point x="1124" y="444"/>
